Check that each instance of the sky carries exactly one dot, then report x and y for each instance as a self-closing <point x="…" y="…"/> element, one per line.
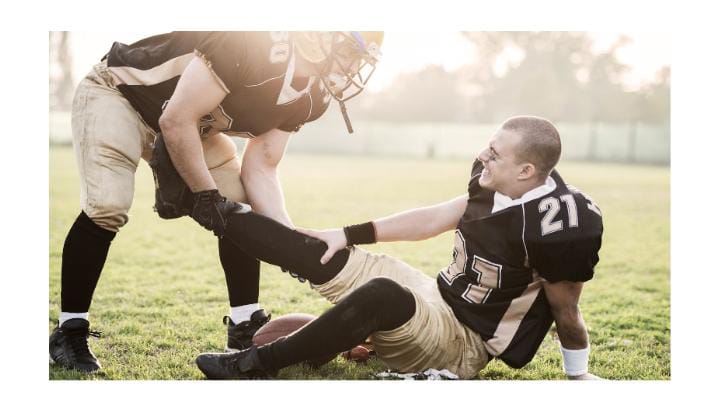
<point x="405" y="51"/>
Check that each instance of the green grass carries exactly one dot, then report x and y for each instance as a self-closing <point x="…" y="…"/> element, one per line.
<point x="162" y="294"/>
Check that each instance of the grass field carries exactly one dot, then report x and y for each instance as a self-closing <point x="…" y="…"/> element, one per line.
<point x="162" y="294"/>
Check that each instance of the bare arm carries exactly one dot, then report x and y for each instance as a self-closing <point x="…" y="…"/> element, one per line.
<point x="415" y="224"/>
<point x="421" y="223"/>
<point x="197" y="93"/>
<point x="260" y="176"/>
<point x="564" y="297"/>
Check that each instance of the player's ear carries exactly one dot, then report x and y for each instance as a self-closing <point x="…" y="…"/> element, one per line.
<point x="527" y="171"/>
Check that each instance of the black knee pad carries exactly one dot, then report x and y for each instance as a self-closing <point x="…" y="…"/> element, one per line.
<point x="383" y="294"/>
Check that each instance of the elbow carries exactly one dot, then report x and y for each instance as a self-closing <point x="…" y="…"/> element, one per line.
<point x="169" y="124"/>
<point x="166" y="123"/>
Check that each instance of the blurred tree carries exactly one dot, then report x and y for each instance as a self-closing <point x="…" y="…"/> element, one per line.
<point x="552" y="74"/>
<point x="604" y="98"/>
<point x="60" y="69"/>
<point x="429" y="95"/>
<point x="543" y="82"/>
<point x="656" y="98"/>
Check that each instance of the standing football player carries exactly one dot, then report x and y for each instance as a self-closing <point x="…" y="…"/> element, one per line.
<point x="197" y="89"/>
<point x="525" y="242"/>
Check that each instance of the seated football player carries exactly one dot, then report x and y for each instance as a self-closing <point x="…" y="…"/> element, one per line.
<point x="525" y="242"/>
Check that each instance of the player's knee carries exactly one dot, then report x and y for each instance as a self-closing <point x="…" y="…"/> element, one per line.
<point x="384" y="293"/>
<point x="218" y="150"/>
<point x="88" y="224"/>
<point x="385" y="302"/>
<point x="110" y="214"/>
<point x="220" y="155"/>
<point x="110" y="222"/>
<point x="227" y="179"/>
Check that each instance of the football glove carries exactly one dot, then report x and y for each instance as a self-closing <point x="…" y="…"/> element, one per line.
<point x="173" y="198"/>
<point x="211" y="210"/>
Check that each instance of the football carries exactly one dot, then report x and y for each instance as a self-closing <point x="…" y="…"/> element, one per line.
<point x="284" y="326"/>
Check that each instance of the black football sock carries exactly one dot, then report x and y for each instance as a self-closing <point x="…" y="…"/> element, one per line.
<point x="242" y="274"/>
<point x="83" y="257"/>
<point x="275" y="243"/>
<point x="381" y="304"/>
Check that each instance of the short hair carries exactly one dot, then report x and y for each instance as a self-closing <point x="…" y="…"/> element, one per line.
<point x="539" y="143"/>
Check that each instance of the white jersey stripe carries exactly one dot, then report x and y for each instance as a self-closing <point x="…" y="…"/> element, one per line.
<point x="510" y="322"/>
<point x="126" y="75"/>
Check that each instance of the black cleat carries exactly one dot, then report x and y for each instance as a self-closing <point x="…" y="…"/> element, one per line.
<point x="239" y="365"/>
<point x="240" y="335"/>
<point x="69" y="346"/>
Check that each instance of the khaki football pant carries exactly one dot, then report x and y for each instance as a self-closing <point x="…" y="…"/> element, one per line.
<point x="110" y="138"/>
<point x="432" y="338"/>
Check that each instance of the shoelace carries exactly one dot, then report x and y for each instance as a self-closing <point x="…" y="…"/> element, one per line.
<point x="78" y="340"/>
<point x="263" y="321"/>
<point x="231" y="362"/>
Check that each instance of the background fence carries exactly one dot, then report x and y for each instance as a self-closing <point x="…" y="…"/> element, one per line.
<point x="611" y="142"/>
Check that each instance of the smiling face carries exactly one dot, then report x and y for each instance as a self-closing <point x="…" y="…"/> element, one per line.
<point x="501" y="170"/>
<point x="520" y="155"/>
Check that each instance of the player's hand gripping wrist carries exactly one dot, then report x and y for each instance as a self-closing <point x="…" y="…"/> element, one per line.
<point x="211" y="210"/>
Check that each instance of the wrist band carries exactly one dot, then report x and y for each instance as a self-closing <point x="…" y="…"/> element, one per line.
<point x="575" y="361"/>
<point x="363" y="233"/>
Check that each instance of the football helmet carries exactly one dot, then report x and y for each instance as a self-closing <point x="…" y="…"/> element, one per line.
<point x="344" y="60"/>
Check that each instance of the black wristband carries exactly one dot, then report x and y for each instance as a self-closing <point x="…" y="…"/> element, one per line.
<point x="363" y="233"/>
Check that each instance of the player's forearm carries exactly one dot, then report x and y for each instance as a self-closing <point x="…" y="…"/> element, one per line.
<point x="571" y="329"/>
<point x="411" y="225"/>
<point x="575" y="344"/>
<point x="421" y="223"/>
<point x="185" y="149"/>
<point x="265" y="194"/>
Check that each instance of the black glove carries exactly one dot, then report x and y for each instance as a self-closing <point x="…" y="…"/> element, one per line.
<point x="173" y="198"/>
<point x="211" y="210"/>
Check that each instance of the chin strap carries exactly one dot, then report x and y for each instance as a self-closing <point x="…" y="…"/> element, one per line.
<point x="343" y="110"/>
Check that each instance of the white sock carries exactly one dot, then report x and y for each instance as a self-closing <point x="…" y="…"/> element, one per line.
<point x="243" y="312"/>
<point x="64" y="316"/>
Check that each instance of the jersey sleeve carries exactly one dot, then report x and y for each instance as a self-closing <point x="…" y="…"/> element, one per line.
<point x="225" y="53"/>
<point x="317" y="104"/>
<point x="572" y="253"/>
<point x="569" y="261"/>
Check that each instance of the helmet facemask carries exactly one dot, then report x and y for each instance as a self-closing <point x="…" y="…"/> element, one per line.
<point x="346" y="51"/>
<point x="348" y="61"/>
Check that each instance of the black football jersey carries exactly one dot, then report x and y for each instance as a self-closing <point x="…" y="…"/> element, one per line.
<point x="255" y="68"/>
<point x="500" y="259"/>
